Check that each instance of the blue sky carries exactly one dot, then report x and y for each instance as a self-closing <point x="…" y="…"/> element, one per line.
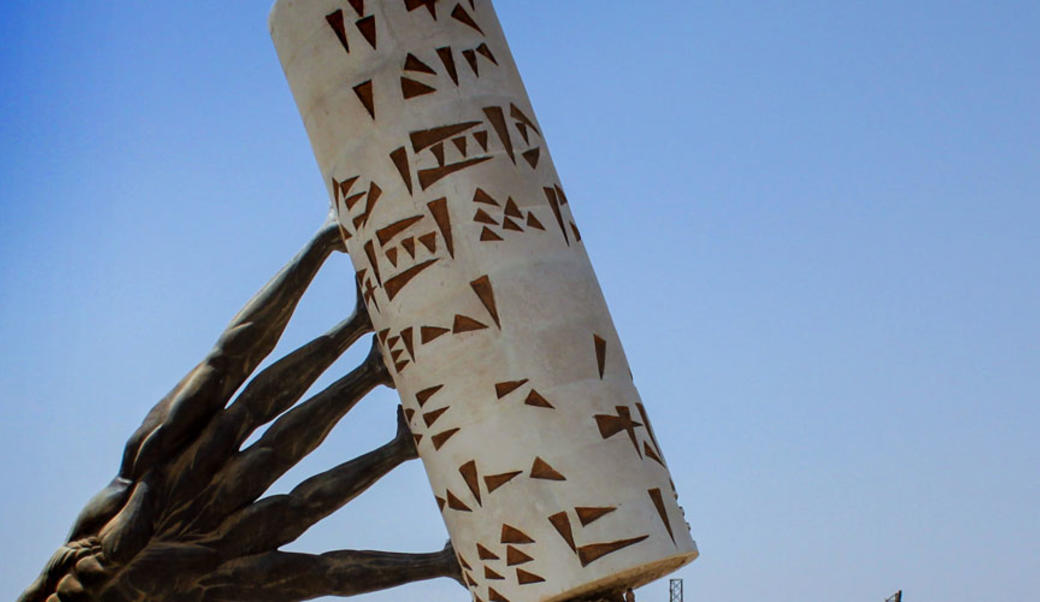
<point x="817" y="225"/>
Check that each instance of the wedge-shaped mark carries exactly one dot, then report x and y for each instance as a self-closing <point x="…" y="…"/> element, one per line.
<point x="590" y="553"/>
<point x="485" y="554"/>
<point x="439" y="210"/>
<point x="658" y="499"/>
<point x="650" y="453"/>
<point x="448" y="60"/>
<point x="387" y="234"/>
<point x="515" y="556"/>
<point x="488" y="235"/>
<point x="525" y="578"/>
<point x="486" y="52"/>
<point x="460" y="143"/>
<point x="441" y="438"/>
<point x="554" y="204"/>
<point x="366" y="96"/>
<point x="438" y="153"/>
<point x="482" y="217"/>
<point x="423" y="396"/>
<point x="408" y="245"/>
<point x="411" y="88"/>
<point x="590" y="514"/>
<point x="612" y="425"/>
<point x="471" y="58"/>
<point x="466" y="324"/>
<point x="391" y="256"/>
<point x="456" y="504"/>
<point x="505" y="388"/>
<point x="441" y="502"/>
<point x="523" y="132"/>
<point x="541" y="470"/>
<point x="370" y="294"/>
<point x="512" y="210"/>
<point x="370" y="252"/>
<point x="469" y="474"/>
<point x="417" y="439"/>
<point x="498" y="122"/>
<point x="425" y="138"/>
<point x="559" y="193"/>
<point x="650" y="429"/>
<point x="463" y="563"/>
<point x="517" y="114"/>
<point x="374" y="194"/>
<point x="400" y="159"/>
<point x="428" y="334"/>
<point x="367" y="27"/>
<point x="400" y="366"/>
<point x="431" y="5"/>
<point x="460" y="15"/>
<point x="562" y="524"/>
<point x="511" y="534"/>
<point x="482" y="139"/>
<point x="601" y="353"/>
<point x="412" y="63"/>
<point x="359" y="6"/>
<point x="509" y="224"/>
<point x="533" y="222"/>
<point x="428" y="177"/>
<point x="429" y="241"/>
<point x="406" y="338"/>
<point x="335" y="21"/>
<point x="343" y="188"/>
<point x="531" y="156"/>
<point x="494" y="596"/>
<point x="482" y="287"/>
<point x="536" y="400"/>
<point x="430" y="417"/>
<point x="489" y="574"/>
<point x="495" y="481"/>
<point x="575" y="232"/>
<point x="352" y="200"/>
<point x="480" y="196"/>
<point x="394" y="285"/>
<point x="409" y="413"/>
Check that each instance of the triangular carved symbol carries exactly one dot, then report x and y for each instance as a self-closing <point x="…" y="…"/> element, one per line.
<point x="511" y="534"/>
<point x="505" y="388"/>
<point x="588" y="515"/>
<point x="495" y="481"/>
<point x="515" y="556"/>
<point x="541" y="470"/>
<point x="536" y="400"/>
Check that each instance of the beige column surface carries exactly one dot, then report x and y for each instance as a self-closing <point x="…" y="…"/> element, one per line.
<point x="537" y="446"/>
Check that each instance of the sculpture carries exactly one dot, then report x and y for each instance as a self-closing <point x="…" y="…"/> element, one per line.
<point x="183" y="519"/>
<point x="498" y="339"/>
<point x="515" y="390"/>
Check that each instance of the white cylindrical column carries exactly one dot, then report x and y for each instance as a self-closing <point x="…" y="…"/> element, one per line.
<point x="538" y="449"/>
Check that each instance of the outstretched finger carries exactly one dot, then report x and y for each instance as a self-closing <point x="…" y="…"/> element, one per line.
<point x="249" y="338"/>
<point x="278" y="520"/>
<point x="288" y="577"/>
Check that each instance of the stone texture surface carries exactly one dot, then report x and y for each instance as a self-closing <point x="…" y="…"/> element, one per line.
<point x="494" y="329"/>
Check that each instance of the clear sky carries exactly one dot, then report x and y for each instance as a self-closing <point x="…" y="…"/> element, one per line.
<point x="817" y="225"/>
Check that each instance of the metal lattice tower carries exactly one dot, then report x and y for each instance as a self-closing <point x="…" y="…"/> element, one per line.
<point x="675" y="590"/>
